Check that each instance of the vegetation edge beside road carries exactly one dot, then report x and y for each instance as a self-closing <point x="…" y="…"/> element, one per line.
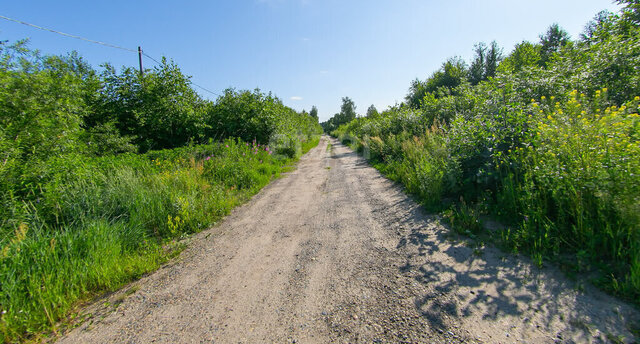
<point x="103" y="172"/>
<point x="545" y="139"/>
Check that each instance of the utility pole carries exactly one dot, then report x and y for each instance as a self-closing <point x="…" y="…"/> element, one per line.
<point x="140" y="60"/>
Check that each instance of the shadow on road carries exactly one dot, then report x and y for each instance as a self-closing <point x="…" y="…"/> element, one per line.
<point x="487" y="285"/>
<point x="491" y="285"/>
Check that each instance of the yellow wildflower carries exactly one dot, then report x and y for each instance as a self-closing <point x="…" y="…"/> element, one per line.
<point x="21" y="232"/>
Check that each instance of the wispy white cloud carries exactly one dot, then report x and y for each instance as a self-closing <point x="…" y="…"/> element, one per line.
<point x="324" y="72"/>
<point x="296" y="98"/>
<point x="306" y="39"/>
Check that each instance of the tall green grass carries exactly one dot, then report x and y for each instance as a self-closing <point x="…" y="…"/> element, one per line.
<point x="549" y="147"/>
<point x="575" y="186"/>
<point x="562" y="174"/>
<point x="91" y="225"/>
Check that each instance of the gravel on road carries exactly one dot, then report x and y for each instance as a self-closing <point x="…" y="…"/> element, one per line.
<point x="333" y="252"/>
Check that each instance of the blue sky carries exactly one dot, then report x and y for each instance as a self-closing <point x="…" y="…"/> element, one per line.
<point x="307" y="52"/>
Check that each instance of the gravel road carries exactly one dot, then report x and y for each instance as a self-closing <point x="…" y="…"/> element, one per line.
<point x="335" y="253"/>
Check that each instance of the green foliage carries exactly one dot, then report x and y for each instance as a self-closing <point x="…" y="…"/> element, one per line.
<point x="464" y="219"/>
<point x="485" y="62"/>
<point x="314" y="112"/>
<point x="451" y="74"/>
<point x="426" y="167"/>
<point x="524" y="55"/>
<point x="347" y="113"/>
<point x="476" y="70"/>
<point x="417" y="91"/>
<point x="631" y="11"/>
<point x="158" y="109"/>
<point x="549" y="146"/>
<point x="99" y="222"/>
<point x="602" y="24"/>
<point x="43" y="275"/>
<point x="551" y="42"/>
<point x="105" y="139"/>
<point x="42" y="108"/>
<point x="494" y="56"/>
<point x="442" y="82"/>
<point x="577" y="182"/>
<point x="80" y="212"/>
<point x="260" y="117"/>
<point x="372" y="112"/>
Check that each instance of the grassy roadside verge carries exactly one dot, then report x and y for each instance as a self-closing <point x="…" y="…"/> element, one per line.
<point x="564" y="186"/>
<point x="547" y="144"/>
<point x="99" y="223"/>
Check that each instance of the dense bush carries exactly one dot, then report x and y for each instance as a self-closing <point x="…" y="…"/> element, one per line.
<point x="101" y="172"/>
<point x="257" y="116"/>
<point x="99" y="222"/>
<point x="548" y="145"/>
<point x="347" y="113"/>
<point x="157" y="109"/>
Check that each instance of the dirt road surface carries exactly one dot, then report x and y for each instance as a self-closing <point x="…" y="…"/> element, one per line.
<point x="335" y="253"/>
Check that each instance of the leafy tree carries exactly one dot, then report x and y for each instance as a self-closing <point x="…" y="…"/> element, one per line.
<point x="601" y="25"/>
<point x="245" y="114"/>
<point x="253" y="115"/>
<point x="331" y="124"/>
<point x="485" y="63"/>
<point x="347" y="114"/>
<point x="417" y="91"/>
<point x="42" y="104"/>
<point x="347" y="110"/>
<point x="372" y="112"/>
<point x="552" y="139"/>
<point x="494" y="56"/>
<point x="525" y="54"/>
<point x="451" y="74"/>
<point x="477" y="68"/>
<point x="631" y="10"/>
<point x="105" y="139"/>
<point x="551" y="42"/>
<point x="158" y="109"/>
<point x="314" y="112"/>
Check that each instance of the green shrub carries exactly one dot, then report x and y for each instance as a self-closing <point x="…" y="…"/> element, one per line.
<point x="576" y="185"/>
<point x="551" y="149"/>
<point x="94" y="223"/>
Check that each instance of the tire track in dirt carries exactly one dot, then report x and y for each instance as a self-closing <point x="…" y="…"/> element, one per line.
<point x="334" y="252"/>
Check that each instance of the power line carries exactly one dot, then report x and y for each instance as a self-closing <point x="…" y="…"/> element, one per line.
<point x="193" y="83"/>
<point x="67" y="34"/>
<point x="154" y="60"/>
<point x="96" y="42"/>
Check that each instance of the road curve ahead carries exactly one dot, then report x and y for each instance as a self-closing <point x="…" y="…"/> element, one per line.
<point x="334" y="252"/>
